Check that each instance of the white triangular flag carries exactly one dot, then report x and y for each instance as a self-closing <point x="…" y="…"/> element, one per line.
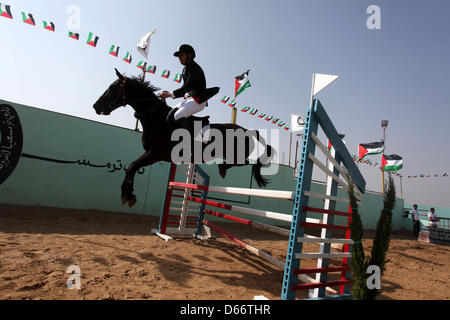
<point x="321" y="81"/>
<point x="297" y="123"/>
<point x="144" y="44"/>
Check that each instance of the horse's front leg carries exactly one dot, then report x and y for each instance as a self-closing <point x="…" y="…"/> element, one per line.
<point x="127" y="186"/>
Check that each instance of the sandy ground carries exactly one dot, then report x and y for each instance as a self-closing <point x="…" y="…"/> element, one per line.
<point x="120" y="259"/>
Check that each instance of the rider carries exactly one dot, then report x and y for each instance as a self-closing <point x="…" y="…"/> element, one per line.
<point x="193" y="90"/>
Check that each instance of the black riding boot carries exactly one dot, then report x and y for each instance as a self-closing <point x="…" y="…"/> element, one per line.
<point x="170" y="120"/>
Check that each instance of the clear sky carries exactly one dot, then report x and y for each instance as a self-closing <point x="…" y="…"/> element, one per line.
<point x="399" y="73"/>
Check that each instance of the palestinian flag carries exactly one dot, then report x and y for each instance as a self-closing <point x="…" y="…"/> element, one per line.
<point x="114" y="51"/>
<point x="282" y="123"/>
<point x="151" y="69"/>
<point x="391" y="162"/>
<point x="5" y="11"/>
<point x="128" y="58"/>
<point x="73" y="35"/>
<point x="268" y="118"/>
<point x="241" y="83"/>
<point x="253" y="112"/>
<point x="225" y="99"/>
<point x="140" y="65"/>
<point x="92" y="40"/>
<point x="370" y="148"/>
<point x="245" y="109"/>
<point x="232" y="104"/>
<point x="177" y="78"/>
<point x="275" y="120"/>
<point x="286" y="128"/>
<point x="166" y="74"/>
<point x="262" y="115"/>
<point x="50" y="26"/>
<point x="28" y="18"/>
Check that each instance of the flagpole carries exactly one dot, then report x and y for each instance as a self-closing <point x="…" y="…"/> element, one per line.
<point x="143" y="79"/>
<point x="290" y="149"/>
<point x="401" y="187"/>
<point x="312" y="90"/>
<point x="295" y="161"/>
<point x="234" y="114"/>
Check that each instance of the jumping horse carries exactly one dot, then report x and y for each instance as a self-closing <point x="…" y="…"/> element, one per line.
<point x="156" y="137"/>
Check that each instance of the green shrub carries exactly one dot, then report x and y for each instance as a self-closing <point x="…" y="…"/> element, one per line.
<point x="360" y="262"/>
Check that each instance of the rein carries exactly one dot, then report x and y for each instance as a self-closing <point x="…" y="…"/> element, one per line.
<point x="122" y="95"/>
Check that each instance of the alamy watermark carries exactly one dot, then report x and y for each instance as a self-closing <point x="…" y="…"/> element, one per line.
<point x="74" y="19"/>
<point x="374" y="20"/>
<point x="374" y="280"/>
<point x="234" y="147"/>
<point x="74" y="281"/>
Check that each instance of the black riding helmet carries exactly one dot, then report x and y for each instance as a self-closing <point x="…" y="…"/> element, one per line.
<point x="185" y="48"/>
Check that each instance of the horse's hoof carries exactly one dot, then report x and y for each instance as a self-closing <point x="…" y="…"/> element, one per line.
<point x="132" y="201"/>
<point x="124" y="199"/>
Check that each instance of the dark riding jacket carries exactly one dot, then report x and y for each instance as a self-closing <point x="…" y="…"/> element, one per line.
<point x="194" y="83"/>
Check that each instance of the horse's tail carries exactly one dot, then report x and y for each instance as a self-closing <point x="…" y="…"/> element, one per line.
<point x="262" y="161"/>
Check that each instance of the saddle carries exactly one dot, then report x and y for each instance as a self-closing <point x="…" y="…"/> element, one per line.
<point x="191" y="124"/>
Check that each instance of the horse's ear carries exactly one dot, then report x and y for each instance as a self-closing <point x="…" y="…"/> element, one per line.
<point x="118" y="74"/>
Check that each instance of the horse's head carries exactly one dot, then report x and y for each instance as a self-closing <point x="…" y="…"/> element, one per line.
<point x="113" y="97"/>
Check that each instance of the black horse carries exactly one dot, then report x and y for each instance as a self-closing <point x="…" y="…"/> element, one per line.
<point x="156" y="137"/>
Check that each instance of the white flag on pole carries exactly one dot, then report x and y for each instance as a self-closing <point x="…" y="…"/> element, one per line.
<point x="144" y="44"/>
<point x="297" y="123"/>
<point x="321" y="81"/>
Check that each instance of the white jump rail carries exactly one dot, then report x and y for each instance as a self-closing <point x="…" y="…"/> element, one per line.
<point x="322" y="255"/>
<point x="273" y="194"/>
<point x="312" y="239"/>
<point x="321" y="166"/>
<point x="319" y="144"/>
<point x="325" y="197"/>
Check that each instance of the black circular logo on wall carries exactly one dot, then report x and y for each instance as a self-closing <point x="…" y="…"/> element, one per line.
<point x="11" y="140"/>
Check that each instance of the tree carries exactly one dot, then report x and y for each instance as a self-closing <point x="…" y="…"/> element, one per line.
<point x="360" y="262"/>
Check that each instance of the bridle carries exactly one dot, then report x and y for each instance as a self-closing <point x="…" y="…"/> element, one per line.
<point x="121" y="100"/>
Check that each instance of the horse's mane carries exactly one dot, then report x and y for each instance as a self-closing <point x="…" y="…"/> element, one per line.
<point x="140" y="83"/>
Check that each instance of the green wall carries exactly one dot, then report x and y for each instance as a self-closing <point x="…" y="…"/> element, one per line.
<point x="77" y="186"/>
<point x="82" y="186"/>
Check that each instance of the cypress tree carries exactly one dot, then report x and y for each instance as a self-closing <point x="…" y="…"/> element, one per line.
<point x="360" y="262"/>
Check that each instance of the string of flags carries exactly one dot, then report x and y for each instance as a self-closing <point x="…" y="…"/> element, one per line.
<point x="255" y="112"/>
<point x="445" y="175"/>
<point x="93" y="41"/>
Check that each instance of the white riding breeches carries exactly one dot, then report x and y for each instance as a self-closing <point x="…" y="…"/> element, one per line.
<point x="187" y="108"/>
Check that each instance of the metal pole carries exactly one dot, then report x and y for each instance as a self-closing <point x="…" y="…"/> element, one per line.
<point x="382" y="171"/>
<point x="312" y="90"/>
<point x="234" y="115"/>
<point x="401" y="187"/>
<point x="295" y="162"/>
<point x="290" y="149"/>
<point x="143" y="79"/>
